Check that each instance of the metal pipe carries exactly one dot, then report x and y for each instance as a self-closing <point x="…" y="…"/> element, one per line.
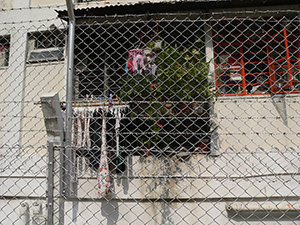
<point x="24" y="214"/>
<point x="66" y="159"/>
<point x="50" y="182"/>
<point x="266" y="206"/>
<point x="70" y="7"/>
<point x="69" y="95"/>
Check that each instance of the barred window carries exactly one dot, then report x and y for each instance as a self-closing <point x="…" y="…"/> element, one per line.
<point x="259" y="56"/>
<point x="4" y="50"/>
<point x="46" y="46"/>
<point x="169" y="101"/>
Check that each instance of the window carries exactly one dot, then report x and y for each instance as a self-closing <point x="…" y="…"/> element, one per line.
<point x="46" y="46"/>
<point x="256" y="57"/>
<point x="168" y="109"/>
<point x="4" y="50"/>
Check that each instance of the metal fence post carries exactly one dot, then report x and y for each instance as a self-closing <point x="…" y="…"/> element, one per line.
<point x="50" y="181"/>
<point x="69" y="96"/>
<point x="54" y="126"/>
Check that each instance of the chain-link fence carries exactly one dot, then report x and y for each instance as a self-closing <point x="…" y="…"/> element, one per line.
<point x="177" y="118"/>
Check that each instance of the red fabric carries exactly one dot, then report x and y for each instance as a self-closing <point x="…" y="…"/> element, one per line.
<point x="129" y="64"/>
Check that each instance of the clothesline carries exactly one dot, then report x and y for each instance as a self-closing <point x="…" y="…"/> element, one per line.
<point x="93" y="103"/>
<point x="83" y="113"/>
<point x="98" y="104"/>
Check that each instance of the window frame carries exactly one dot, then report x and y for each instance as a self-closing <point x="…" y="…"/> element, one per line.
<point x="4" y="50"/>
<point x="225" y="71"/>
<point x="45" y="46"/>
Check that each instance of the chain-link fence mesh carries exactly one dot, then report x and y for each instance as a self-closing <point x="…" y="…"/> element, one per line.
<point x="178" y="118"/>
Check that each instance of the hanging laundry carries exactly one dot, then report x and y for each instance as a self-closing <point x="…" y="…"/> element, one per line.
<point x="105" y="183"/>
<point x="141" y="63"/>
<point x="151" y="65"/>
<point x="135" y="63"/>
<point x="80" y="127"/>
<point x="84" y="137"/>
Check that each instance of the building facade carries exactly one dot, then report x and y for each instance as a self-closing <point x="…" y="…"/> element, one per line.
<point x="195" y="104"/>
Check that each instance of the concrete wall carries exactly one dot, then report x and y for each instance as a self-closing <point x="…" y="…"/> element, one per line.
<point x="162" y="213"/>
<point x="171" y="190"/>
<point x="258" y="122"/>
<point x="3" y="85"/>
<point x="192" y="190"/>
<point x="39" y="79"/>
<point x="6" y="4"/>
<point x="36" y="3"/>
<point x="21" y="82"/>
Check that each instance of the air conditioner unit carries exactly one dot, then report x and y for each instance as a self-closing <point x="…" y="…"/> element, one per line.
<point x="46" y="54"/>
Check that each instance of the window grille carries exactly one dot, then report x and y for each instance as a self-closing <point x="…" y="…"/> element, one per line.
<point x="46" y="45"/>
<point x="258" y="56"/>
<point x="168" y="108"/>
<point x="4" y="50"/>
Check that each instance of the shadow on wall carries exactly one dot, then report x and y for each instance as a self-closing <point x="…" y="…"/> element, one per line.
<point x="110" y="210"/>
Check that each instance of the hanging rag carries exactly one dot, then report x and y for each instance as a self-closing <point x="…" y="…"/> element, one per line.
<point x="80" y="127"/>
<point x="135" y="63"/>
<point x="105" y="183"/>
<point x="83" y="128"/>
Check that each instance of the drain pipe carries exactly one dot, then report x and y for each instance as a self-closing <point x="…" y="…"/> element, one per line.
<point x="24" y="214"/>
<point x="266" y="206"/>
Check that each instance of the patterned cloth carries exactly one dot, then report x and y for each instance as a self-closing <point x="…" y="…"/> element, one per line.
<point x="81" y="127"/>
<point x="81" y="139"/>
<point x="105" y="183"/>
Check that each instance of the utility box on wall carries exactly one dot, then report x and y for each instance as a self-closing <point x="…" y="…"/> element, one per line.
<point x="53" y="118"/>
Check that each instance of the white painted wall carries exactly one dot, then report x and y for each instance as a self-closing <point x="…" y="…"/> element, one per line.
<point x="36" y="3"/>
<point x="254" y="122"/>
<point x="22" y="82"/>
<point x="6" y="4"/>
<point x="3" y="86"/>
<point x="14" y="89"/>
<point x="39" y="80"/>
<point x="210" y="181"/>
<point x="21" y="3"/>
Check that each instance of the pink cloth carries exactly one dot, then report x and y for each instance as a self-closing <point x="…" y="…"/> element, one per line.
<point x="137" y="56"/>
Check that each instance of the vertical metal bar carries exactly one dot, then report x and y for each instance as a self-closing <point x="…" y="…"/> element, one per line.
<point x="298" y="58"/>
<point x="61" y="186"/>
<point x="70" y="8"/>
<point x="50" y="181"/>
<point x="243" y="71"/>
<point x="69" y="96"/>
<point x="286" y="44"/>
<point x="298" y="50"/>
<point x="69" y="84"/>
<point x="106" y="87"/>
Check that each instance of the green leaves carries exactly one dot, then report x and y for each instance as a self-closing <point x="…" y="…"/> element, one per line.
<point x="182" y="74"/>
